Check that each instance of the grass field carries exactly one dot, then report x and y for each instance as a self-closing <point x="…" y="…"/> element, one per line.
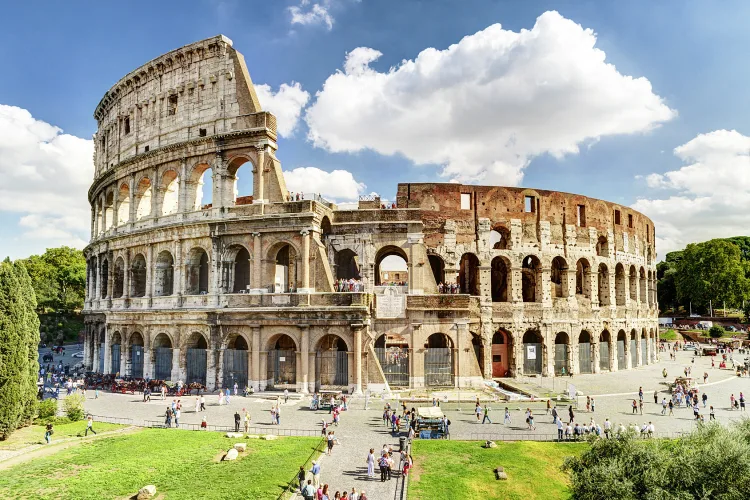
<point x="34" y="434"/>
<point x="182" y="465"/>
<point x="463" y="469"/>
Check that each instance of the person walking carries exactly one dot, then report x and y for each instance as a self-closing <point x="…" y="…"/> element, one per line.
<point x="301" y="476"/>
<point x="560" y="430"/>
<point x="506" y="419"/>
<point x="278" y="414"/>
<point x="704" y="398"/>
<point x="742" y="402"/>
<point x="197" y="404"/>
<point x="640" y="393"/>
<point x="607" y="427"/>
<point x="486" y="414"/>
<point x="247" y="420"/>
<point x="371" y="463"/>
<point x="656" y="397"/>
<point x="554" y="415"/>
<point x="308" y="491"/>
<point x="237" y="419"/>
<point x="571" y="414"/>
<point x="593" y="405"/>
<point x="549" y="407"/>
<point x="168" y="417"/>
<point x="478" y="410"/>
<point x="330" y="439"/>
<point x="236" y="387"/>
<point x="670" y="405"/>
<point x="663" y="406"/>
<point x="49" y="430"/>
<point x="203" y="403"/>
<point x="640" y="406"/>
<point x="177" y="414"/>
<point x="383" y="464"/>
<point x="286" y="396"/>
<point x="532" y="427"/>
<point x="89" y="425"/>
<point x="711" y="415"/>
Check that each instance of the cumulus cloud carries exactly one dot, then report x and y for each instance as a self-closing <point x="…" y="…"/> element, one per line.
<point x="338" y="185"/>
<point x="45" y="177"/>
<point x="485" y="106"/>
<point x="286" y="104"/>
<point x="307" y="13"/>
<point x="709" y="197"/>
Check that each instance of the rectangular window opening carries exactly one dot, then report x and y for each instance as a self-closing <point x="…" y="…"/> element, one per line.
<point x="465" y="201"/>
<point x="172" y="110"/>
<point x="529" y="204"/>
<point x="145" y="149"/>
<point x="630" y="221"/>
<point x="202" y="132"/>
<point x="127" y="125"/>
<point x="617" y="217"/>
<point x="581" y="215"/>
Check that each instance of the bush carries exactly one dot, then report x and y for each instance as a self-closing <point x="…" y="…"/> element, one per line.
<point x="716" y="332"/>
<point x="73" y="405"/>
<point x="47" y="408"/>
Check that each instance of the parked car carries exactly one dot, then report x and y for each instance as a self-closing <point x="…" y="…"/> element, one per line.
<point x="78" y="354"/>
<point x="690" y="347"/>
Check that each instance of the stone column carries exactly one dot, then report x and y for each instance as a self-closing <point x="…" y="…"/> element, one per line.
<point x="93" y="221"/>
<point x="97" y="347"/>
<point x="515" y="294"/>
<point x="220" y="370"/>
<point x="258" y="176"/>
<point x="176" y="371"/>
<point x="305" y="358"/>
<point x="255" y="365"/>
<point x="178" y="278"/>
<point x="148" y="369"/>
<point x="256" y="280"/>
<point x="182" y="187"/>
<point x="414" y="380"/>
<point x="107" y="351"/>
<point x="96" y="278"/>
<point x="638" y="354"/>
<point x="110" y="276"/>
<point x="461" y="333"/>
<point x="104" y="213"/>
<point x="86" y="345"/>
<point x="131" y="192"/>
<point x="358" y="327"/>
<point x="305" y="288"/>
<point x="595" y="354"/>
<point x="126" y="276"/>
<point x="149" y="274"/>
<point x="649" y="350"/>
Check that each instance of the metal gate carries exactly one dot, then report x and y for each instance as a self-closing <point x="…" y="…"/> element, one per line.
<point x="115" y="359"/>
<point x="604" y="356"/>
<point x="644" y="352"/>
<point x="235" y="368"/>
<point x="394" y="361"/>
<point x="331" y="368"/>
<point x="561" y="359"/>
<point x="532" y="359"/>
<point x="633" y="354"/>
<point x="584" y="357"/>
<point x="282" y="369"/>
<point x="621" y="364"/>
<point x="101" y="358"/>
<point x="163" y="363"/>
<point x="136" y="361"/>
<point x="438" y="367"/>
<point x="196" y="366"/>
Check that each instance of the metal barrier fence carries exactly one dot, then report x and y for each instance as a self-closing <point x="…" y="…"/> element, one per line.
<point x="533" y="436"/>
<point x="291" y="487"/>
<point x="159" y="424"/>
<point x="112" y="420"/>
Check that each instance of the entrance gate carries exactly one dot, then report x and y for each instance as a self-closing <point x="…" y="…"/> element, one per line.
<point x="621" y="364"/>
<point x="532" y="358"/>
<point x="332" y="368"/>
<point x="644" y="352"/>
<point x="235" y="368"/>
<point x="584" y="357"/>
<point x="282" y="369"/>
<point x="604" y="356"/>
<point x="438" y="367"/>
<point x="394" y="362"/>
<point x="115" y="359"/>
<point x="163" y="363"/>
<point x="101" y="358"/>
<point x="136" y="361"/>
<point x="561" y="359"/>
<point x="633" y="354"/>
<point x="196" y="365"/>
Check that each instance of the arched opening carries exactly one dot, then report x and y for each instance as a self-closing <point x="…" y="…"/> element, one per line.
<point x="104" y="278"/>
<point x="438" y="361"/>
<point x="633" y="348"/>
<point x="532" y="352"/>
<point x="501" y="348"/>
<point x="391" y="267"/>
<point x="633" y="280"/>
<point x="583" y="278"/>
<point x="241" y="271"/>
<point x="604" y="361"/>
<point x="652" y="340"/>
<point x="123" y="209"/>
<point x="235" y="362"/>
<point x="602" y="247"/>
<point x="196" y="359"/>
<point x="644" y="348"/>
<point x="585" y="364"/>
<point x="101" y="340"/>
<point x="325" y="228"/>
<point x="500" y="279"/>
<point x="282" y="363"/>
<point x="197" y="272"/>
<point x="116" y="344"/>
<point x="285" y="276"/>
<point x="499" y="238"/>
<point x="170" y="185"/>
<point x="240" y="172"/>
<point x="138" y="276"/>
<point x="468" y="274"/>
<point x="347" y="265"/>
<point x="478" y="346"/>
<point x="437" y="265"/>
<point x="644" y="294"/>
<point x="393" y="356"/>
<point x="99" y="219"/>
<point x="562" y="354"/>
<point x="164" y="275"/>
<point x="622" y="348"/>
<point x="119" y="278"/>
<point x="109" y="210"/>
<point x="136" y="355"/>
<point x="620" y="285"/>
<point x="558" y="278"/>
<point x="331" y="363"/>
<point x="531" y="278"/>
<point x="603" y="282"/>
<point x="162" y="355"/>
<point x="143" y="195"/>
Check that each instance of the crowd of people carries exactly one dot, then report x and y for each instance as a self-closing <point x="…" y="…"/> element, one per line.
<point x="349" y="285"/>
<point x="448" y="288"/>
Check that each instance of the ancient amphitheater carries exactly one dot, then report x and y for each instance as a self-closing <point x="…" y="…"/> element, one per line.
<point x="245" y="287"/>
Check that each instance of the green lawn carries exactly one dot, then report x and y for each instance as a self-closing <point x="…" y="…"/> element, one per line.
<point x="34" y="434"/>
<point x="463" y="469"/>
<point x="668" y="335"/>
<point x="182" y="465"/>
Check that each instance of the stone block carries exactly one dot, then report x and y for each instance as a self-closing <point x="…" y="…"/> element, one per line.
<point x="231" y="455"/>
<point x="240" y="446"/>
<point x="270" y="437"/>
<point x="147" y="492"/>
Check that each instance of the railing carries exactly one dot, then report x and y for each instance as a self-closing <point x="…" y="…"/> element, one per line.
<point x="112" y="420"/>
<point x="533" y="436"/>
<point x="290" y="487"/>
<point x="159" y="424"/>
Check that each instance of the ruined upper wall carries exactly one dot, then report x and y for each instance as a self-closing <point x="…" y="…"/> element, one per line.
<point x="441" y="202"/>
<point x="199" y="90"/>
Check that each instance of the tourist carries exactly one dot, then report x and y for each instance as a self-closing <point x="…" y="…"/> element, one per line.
<point x="89" y="425"/>
<point x="324" y="493"/>
<point x="593" y="405"/>
<point x="168" y="417"/>
<point x="607" y="427"/>
<point x="362" y="495"/>
<point x="286" y="396"/>
<point x="732" y="403"/>
<point x="237" y="421"/>
<point x="203" y="403"/>
<point x="316" y="474"/>
<point x="635" y="406"/>
<point x="478" y="411"/>
<point x="273" y="415"/>
<point x="560" y="430"/>
<point x="568" y="432"/>
<point x="554" y="415"/>
<point x="704" y="398"/>
<point x="696" y="410"/>
<point x="486" y="414"/>
<point x="301" y="478"/>
<point x="549" y="407"/>
<point x="640" y="406"/>
<point x="588" y="403"/>
<point x="48" y="433"/>
<point x="204" y="424"/>
<point x="177" y="418"/>
<point x="353" y="495"/>
<point x="197" y="404"/>
<point x="247" y="420"/>
<point x="656" y="397"/>
<point x="640" y="393"/>
<point x="531" y="422"/>
<point x="329" y="439"/>
<point x="571" y="414"/>
<point x="742" y="402"/>
<point x="711" y="414"/>
<point x="278" y="414"/>
<point x="670" y="404"/>
<point x="227" y="395"/>
<point x="663" y="406"/>
<point x="370" y="460"/>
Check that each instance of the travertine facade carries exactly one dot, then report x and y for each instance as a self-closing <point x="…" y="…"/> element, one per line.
<point x="242" y="289"/>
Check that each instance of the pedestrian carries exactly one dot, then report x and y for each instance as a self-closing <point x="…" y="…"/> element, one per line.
<point x="286" y="395"/>
<point x="663" y="406"/>
<point x="247" y="420"/>
<point x="635" y="406"/>
<point x="371" y="463"/>
<point x="203" y="403"/>
<point x="478" y="411"/>
<point x="227" y="395"/>
<point x="329" y="439"/>
<point x="89" y="425"/>
<point x="640" y="406"/>
<point x="316" y="474"/>
<point x="383" y="464"/>
<point x="742" y="402"/>
<point x="486" y="414"/>
<point x="531" y="422"/>
<point x="593" y="405"/>
<point x="236" y="421"/>
<point x="656" y="397"/>
<point x="704" y="398"/>
<point x="570" y="414"/>
<point x="559" y="430"/>
<point x="711" y="414"/>
<point x="278" y="415"/>
<point x="549" y="407"/>
<point x="177" y="417"/>
<point x="168" y="417"/>
<point x="301" y="475"/>
<point x="49" y="430"/>
<point x="204" y="424"/>
<point x="640" y="393"/>
<point x="197" y="404"/>
<point x="236" y="387"/>
<point x="607" y="427"/>
<point x="588" y="403"/>
<point x="506" y="419"/>
<point x="671" y="407"/>
<point x="96" y="393"/>
<point x="705" y="376"/>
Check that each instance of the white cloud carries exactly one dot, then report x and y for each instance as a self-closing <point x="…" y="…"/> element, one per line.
<point x="45" y="178"/>
<point x="338" y="185"/>
<point x="484" y="107"/>
<point x="710" y="195"/>
<point x="308" y="14"/>
<point x="286" y="104"/>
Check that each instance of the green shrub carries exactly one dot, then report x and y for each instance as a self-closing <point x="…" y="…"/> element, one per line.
<point x="716" y="332"/>
<point x="47" y="408"/>
<point x="73" y="405"/>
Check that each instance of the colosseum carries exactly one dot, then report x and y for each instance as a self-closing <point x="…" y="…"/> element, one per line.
<point x="273" y="291"/>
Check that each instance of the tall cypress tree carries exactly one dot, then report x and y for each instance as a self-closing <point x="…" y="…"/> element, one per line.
<point x="30" y="340"/>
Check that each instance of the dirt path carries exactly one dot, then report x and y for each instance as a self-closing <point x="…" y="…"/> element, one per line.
<point x="42" y="450"/>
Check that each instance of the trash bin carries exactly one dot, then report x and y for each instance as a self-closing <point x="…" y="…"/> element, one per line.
<point x="402" y="443"/>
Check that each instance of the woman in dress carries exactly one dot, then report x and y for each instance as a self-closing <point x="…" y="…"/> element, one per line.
<point x="371" y="463"/>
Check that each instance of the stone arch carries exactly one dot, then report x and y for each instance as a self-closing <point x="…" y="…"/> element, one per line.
<point x="282" y="361"/>
<point x="501" y="279"/>
<point x="284" y="271"/>
<point x="325" y="227"/>
<point x="633" y="348"/>
<point x="605" y="346"/>
<point x="115" y="353"/>
<point x="533" y="352"/>
<point x="138" y="276"/>
<point x="502" y="348"/>
<point x="347" y="264"/>
<point x="118" y="286"/>
<point x="331" y="362"/>
<point x="602" y="246"/>
<point x="500" y="238"/>
<point x="235" y="361"/>
<point x="242" y="194"/>
<point x="468" y="274"/>
<point x="385" y="276"/>
<point x="585" y="357"/>
<point x="104" y="277"/>
<point x="136" y="354"/>
<point x="558" y="277"/>
<point x="200" y="175"/>
<point x="603" y="282"/>
<point x="437" y="265"/>
<point x="583" y="279"/>
<point x="235" y="269"/>
<point x="109" y="210"/>
<point x="562" y="354"/>
<point x="164" y="274"/>
<point x="531" y="279"/>
<point x="123" y="207"/>
<point x="644" y="293"/>
<point x="620" y="284"/>
<point x="143" y="198"/>
<point x="633" y="281"/>
<point x="197" y="267"/>
<point x="170" y="192"/>
<point x="439" y="359"/>
<point x="623" y="348"/>
<point x="196" y="358"/>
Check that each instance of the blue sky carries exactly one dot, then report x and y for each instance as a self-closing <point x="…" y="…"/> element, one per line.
<point x="60" y="60"/>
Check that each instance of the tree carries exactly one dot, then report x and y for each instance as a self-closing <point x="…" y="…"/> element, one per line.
<point x="59" y="278"/>
<point x="715" y="332"/>
<point x="665" y="286"/>
<point x="19" y="337"/>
